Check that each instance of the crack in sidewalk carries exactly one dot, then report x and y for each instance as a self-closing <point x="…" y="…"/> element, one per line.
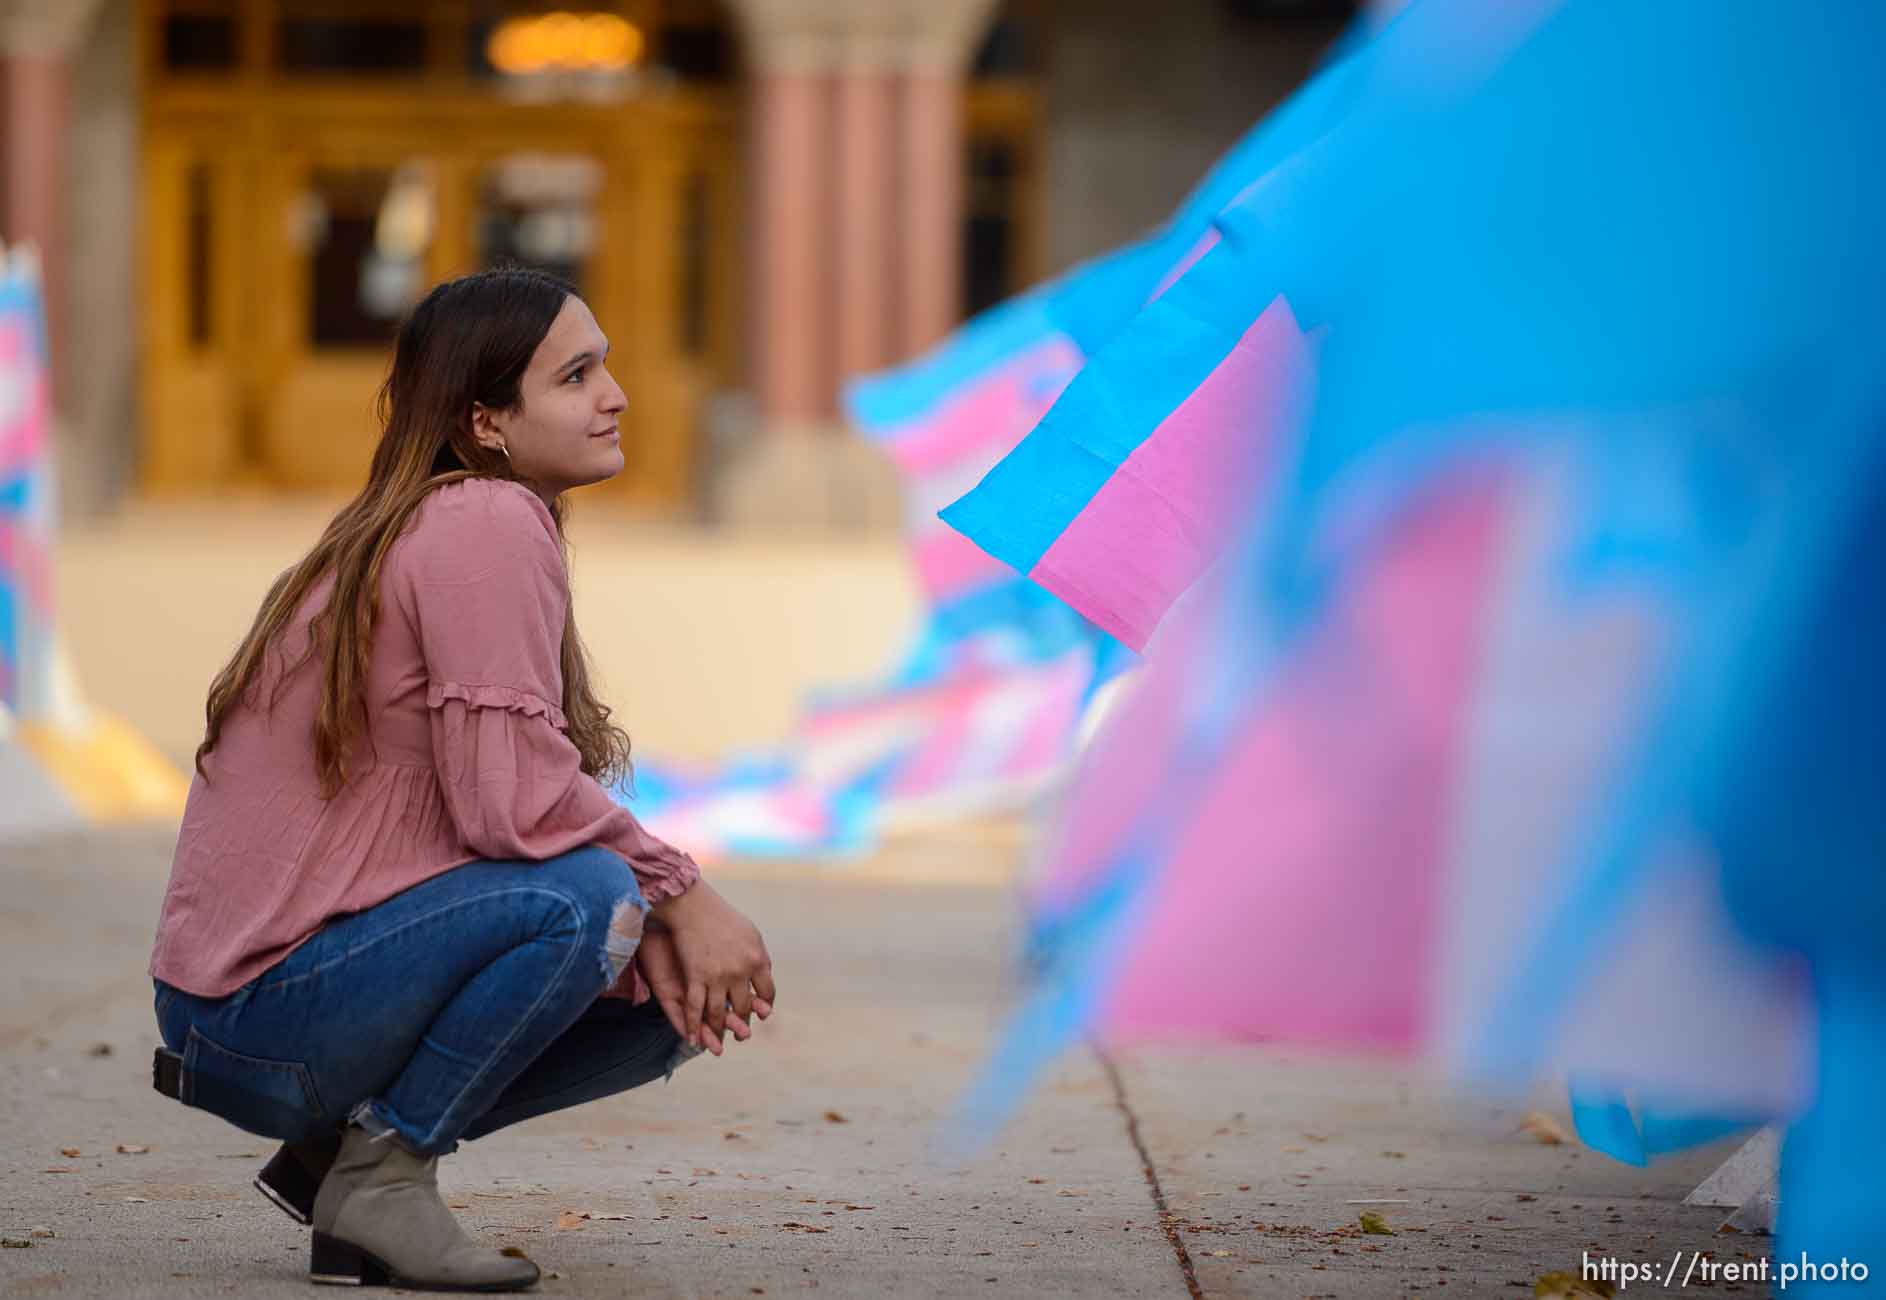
<point x="1167" y="1222"/>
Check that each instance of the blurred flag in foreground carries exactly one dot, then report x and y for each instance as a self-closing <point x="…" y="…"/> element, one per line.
<point x="1532" y="724"/>
<point x="1119" y="496"/>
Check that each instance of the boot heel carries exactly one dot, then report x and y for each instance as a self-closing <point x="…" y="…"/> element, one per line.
<point x="382" y="1222"/>
<point x="334" y="1262"/>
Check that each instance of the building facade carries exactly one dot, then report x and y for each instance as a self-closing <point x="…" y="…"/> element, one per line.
<point x="238" y="199"/>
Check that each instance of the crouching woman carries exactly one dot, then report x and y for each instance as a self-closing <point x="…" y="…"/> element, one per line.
<point x="404" y="911"/>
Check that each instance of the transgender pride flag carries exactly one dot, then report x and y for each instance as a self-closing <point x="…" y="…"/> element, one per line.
<point x="1362" y="843"/>
<point x="1132" y="483"/>
<point x="25" y="491"/>
<point x="1122" y="496"/>
<point x="945" y="419"/>
<point x="1532" y="723"/>
<point x="949" y="417"/>
<point x="981" y="714"/>
<point x="985" y="733"/>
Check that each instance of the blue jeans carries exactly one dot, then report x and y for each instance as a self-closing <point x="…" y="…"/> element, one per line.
<point x="464" y="1004"/>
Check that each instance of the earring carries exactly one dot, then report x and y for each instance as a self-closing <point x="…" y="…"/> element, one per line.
<point x="506" y="450"/>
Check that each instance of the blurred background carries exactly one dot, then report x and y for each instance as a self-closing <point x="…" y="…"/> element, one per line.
<point x="233" y="202"/>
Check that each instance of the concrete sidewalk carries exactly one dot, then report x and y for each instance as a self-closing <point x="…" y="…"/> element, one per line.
<point x="799" y="1163"/>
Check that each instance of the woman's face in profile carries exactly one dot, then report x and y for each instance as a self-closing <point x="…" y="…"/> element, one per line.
<point x="564" y="432"/>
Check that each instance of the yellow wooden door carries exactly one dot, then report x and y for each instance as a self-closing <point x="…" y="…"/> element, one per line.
<point x="328" y="218"/>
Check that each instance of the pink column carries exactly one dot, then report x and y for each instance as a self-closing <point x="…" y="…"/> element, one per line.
<point x="930" y="208"/>
<point x="792" y="281"/>
<point x="865" y="244"/>
<point x="33" y="100"/>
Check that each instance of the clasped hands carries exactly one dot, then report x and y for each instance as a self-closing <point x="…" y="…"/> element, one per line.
<point x="707" y="966"/>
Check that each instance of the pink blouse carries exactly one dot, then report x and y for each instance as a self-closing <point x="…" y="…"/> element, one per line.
<point x="468" y="757"/>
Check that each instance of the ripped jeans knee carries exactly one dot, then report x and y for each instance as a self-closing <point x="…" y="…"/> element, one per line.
<point x="623" y="936"/>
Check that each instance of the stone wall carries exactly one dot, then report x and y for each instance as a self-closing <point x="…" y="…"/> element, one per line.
<point x="1141" y="100"/>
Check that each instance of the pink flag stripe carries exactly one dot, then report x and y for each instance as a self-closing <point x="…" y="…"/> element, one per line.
<point x="1046" y="740"/>
<point x="949" y="695"/>
<point x="990" y="416"/>
<point x="22" y="401"/>
<point x="1349" y="764"/>
<point x="937" y="757"/>
<point x="999" y="737"/>
<point x="26" y="564"/>
<point x="1155" y="525"/>
<point x="949" y="564"/>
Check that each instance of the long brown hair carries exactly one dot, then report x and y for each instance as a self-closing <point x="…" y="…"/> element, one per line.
<point x="469" y="340"/>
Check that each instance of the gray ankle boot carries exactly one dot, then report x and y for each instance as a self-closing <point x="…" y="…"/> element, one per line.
<point x="379" y="1221"/>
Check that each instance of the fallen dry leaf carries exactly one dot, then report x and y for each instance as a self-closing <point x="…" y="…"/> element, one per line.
<point x="133" y="1149"/>
<point x="58" y="1169"/>
<point x="70" y="1152"/>
<point x="1373" y="1225"/>
<point x="41" y="1232"/>
<point x="1569" y="1286"/>
<point x="1547" y="1130"/>
<point x="1295" y="1151"/>
<point x="833" y="1117"/>
<point x="1316" y="1137"/>
<point x="137" y="1200"/>
<point x="516" y="1252"/>
<point x="569" y="1219"/>
<point x="15" y="1243"/>
<point x="101" y="1049"/>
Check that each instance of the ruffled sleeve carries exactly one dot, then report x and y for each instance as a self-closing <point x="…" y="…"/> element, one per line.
<point x="485" y="586"/>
